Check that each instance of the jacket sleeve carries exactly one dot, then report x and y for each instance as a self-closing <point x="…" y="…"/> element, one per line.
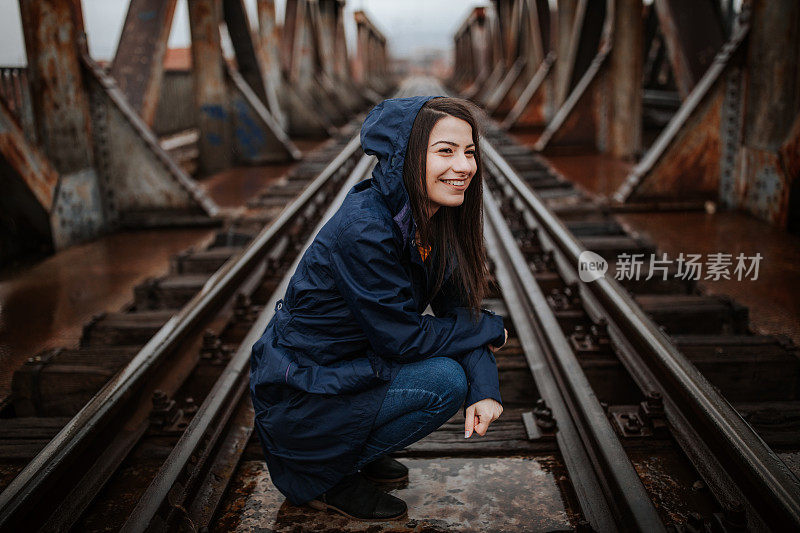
<point x="480" y="368"/>
<point x="366" y="266"/>
<point x="479" y="365"/>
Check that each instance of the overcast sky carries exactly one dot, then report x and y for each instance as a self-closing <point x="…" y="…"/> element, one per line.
<point x="408" y="24"/>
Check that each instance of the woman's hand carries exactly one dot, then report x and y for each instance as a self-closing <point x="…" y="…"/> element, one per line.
<point x="493" y="349"/>
<point x="479" y="415"/>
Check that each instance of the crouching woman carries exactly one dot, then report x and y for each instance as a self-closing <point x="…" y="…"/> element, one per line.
<point x="349" y="368"/>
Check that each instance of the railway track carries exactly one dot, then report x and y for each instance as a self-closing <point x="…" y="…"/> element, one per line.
<point x="645" y="330"/>
<point x="634" y="393"/>
<point x="171" y="355"/>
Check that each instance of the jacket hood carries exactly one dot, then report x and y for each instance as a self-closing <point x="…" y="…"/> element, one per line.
<point x="385" y="134"/>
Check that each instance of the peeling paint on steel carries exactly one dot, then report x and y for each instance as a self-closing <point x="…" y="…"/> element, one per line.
<point x="77" y="213"/>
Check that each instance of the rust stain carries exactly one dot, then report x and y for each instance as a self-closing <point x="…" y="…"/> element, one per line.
<point x="488" y="494"/>
<point x="691" y="166"/>
<point x="534" y="114"/>
<point x="34" y="169"/>
<point x="57" y="92"/>
<point x="600" y="174"/>
<point x="765" y="189"/>
<point x="773" y="303"/>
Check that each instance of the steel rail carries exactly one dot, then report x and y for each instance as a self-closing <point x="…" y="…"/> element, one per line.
<point x="174" y="480"/>
<point x="30" y="487"/>
<point x="579" y="467"/>
<point x="771" y="488"/>
<point x="604" y="470"/>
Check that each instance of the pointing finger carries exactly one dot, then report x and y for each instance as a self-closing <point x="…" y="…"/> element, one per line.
<point x="469" y="421"/>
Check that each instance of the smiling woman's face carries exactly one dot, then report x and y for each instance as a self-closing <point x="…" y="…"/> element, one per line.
<point x="450" y="163"/>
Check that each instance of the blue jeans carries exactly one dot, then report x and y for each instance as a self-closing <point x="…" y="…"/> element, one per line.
<point x="422" y="397"/>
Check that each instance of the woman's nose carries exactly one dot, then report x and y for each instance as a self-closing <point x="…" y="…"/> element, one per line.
<point x="461" y="163"/>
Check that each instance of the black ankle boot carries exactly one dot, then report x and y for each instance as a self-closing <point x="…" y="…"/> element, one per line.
<point x="384" y="469"/>
<point x="355" y="497"/>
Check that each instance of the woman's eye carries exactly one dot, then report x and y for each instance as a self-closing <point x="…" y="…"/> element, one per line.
<point x="470" y="152"/>
<point x="445" y="151"/>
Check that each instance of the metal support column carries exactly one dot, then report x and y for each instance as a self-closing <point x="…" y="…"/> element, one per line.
<point x="211" y="100"/>
<point x="138" y="64"/>
<point x="54" y="37"/>
<point x="625" y="85"/>
<point x="268" y="55"/>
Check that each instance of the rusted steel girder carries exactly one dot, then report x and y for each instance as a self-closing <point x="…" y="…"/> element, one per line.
<point x="235" y="124"/>
<point x="111" y="168"/>
<point x="258" y="136"/>
<point x="497" y="46"/>
<point x="322" y="39"/>
<point x="54" y="38"/>
<point x="28" y="183"/>
<point x="291" y="112"/>
<point x="515" y="60"/>
<point x="474" y="51"/>
<point x="312" y="113"/>
<point x="138" y="62"/>
<point x="329" y="27"/>
<point x="770" y="158"/>
<point x="144" y="186"/>
<point x="566" y="13"/>
<point x="269" y="58"/>
<point x="32" y="167"/>
<point x="15" y="90"/>
<point x="370" y="66"/>
<point x="305" y="65"/>
<point x="582" y="118"/>
<point x="735" y="138"/>
<point x="693" y="34"/>
<point x="247" y="62"/>
<point x="696" y="153"/>
<point x="52" y="32"/>
<point x="624" y="82"/>
<point x="532" y="25"/>
<point x="604" y="107"/>
<point x="534" y="103"/>
<point x="211" y="101"/>
<point x="342" y="70"/>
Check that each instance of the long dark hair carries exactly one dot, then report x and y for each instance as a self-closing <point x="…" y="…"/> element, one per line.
<point x="455" y="234"/>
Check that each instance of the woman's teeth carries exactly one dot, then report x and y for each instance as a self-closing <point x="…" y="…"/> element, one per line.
<point x="457" y="183"/>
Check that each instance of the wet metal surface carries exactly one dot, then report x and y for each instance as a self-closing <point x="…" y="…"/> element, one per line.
<point x="126" y="486"/>
<point x="599" y="174"/>
<point x="672" y="484"/>
<point x="452" y="494"/>
<point x="234" y="186"/>
<point x="46" y="304"/>
<point x="773" y="297"/>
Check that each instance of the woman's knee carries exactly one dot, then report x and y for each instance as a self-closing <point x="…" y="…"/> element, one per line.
<point x="450" y="380"/>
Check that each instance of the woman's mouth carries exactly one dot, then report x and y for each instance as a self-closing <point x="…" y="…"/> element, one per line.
<point x="457" y="184"/>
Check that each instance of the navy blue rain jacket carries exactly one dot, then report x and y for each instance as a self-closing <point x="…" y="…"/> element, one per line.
<point x="351" y="316"/>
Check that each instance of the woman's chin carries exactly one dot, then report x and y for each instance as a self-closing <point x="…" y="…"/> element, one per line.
<point x="451" y="200"/>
